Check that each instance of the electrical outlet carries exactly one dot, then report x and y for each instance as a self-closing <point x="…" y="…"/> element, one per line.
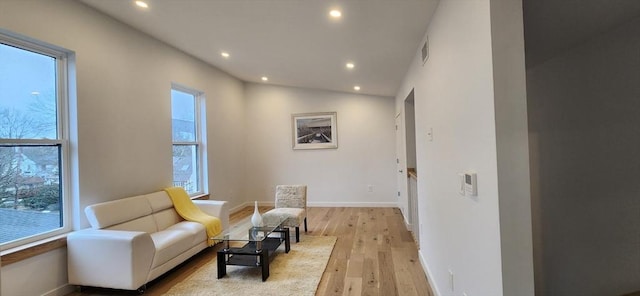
<point x="430" y="134"/>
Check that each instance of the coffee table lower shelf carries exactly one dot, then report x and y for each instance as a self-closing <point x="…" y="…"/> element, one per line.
<point x="250" y="255"/>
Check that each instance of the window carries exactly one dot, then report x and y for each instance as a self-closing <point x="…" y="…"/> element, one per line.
<point x="188" y="148"/>
<point x="33" y="141"/>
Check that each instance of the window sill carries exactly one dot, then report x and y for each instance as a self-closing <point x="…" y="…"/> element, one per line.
<point x="203" y="196"/>
<point x="33" y="249"/>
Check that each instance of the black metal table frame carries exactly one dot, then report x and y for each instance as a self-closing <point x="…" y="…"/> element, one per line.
<point x="255" y="253"/>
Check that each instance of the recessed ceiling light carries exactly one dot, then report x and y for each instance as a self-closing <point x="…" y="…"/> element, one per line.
<point x="335" y="13"/>
<point x="142" y="4"/>
<point x="356" y="87"/>
<point x="350" y="65"/>
<point x="224" y="54"/>
<point x="264" y="78"/>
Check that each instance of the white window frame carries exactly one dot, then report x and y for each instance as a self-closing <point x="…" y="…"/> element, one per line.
<point x="200" y="141"/>
<point x="62" y="57"/>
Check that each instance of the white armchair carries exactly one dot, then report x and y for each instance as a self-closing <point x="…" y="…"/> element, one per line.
<point x="291" y="204"/>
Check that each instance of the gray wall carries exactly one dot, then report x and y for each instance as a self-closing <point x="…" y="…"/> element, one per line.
<point x="584" y="124"/>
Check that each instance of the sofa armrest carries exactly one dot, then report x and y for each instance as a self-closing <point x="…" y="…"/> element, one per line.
<point x="109" y="258"/>
<point x="216" y="208"/>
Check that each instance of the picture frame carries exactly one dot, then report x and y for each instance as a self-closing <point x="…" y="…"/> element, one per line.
<point x="315" y="130"/>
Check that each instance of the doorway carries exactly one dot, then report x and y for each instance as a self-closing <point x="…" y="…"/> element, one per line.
<point x="412" y="170"/>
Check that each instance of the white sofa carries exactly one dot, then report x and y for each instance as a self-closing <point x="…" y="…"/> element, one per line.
<point x="134" y="240"/>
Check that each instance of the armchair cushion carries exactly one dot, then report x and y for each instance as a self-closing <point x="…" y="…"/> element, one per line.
<point x="291" y="196"/>
<point x="294" y="216"/>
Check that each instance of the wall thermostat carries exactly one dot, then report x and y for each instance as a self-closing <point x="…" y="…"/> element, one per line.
<point x="471" y="183"/>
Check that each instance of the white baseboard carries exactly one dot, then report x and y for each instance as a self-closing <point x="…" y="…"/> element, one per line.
<point x="61" y="291"/>
<point x="432" y="282"/>
<point x="330" y="204"/>
<point x="250" y="204"/>
<point x="322" y="205"/>
<point x="237" y="208"/>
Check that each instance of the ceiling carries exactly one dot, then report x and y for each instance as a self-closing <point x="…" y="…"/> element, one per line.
<point x="292" y="42"/>
<point x="553" y="26"/>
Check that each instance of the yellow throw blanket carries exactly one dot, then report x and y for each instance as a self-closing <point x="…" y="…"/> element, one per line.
<point x="190" y="212"/>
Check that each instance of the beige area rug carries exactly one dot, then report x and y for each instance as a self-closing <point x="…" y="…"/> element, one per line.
<point x="296" y="273"/>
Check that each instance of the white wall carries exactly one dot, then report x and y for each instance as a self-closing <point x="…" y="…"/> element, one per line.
<point x="454" y="95"/>
<point x="123" y="139"/>
<point x="44" y="274"/>
<point x="335" y="177"/>
<point x="512" y="147"/>
<point x="584" y="127"/>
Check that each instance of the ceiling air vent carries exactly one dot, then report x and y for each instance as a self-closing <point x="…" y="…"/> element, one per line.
<point x="425" y="51"/>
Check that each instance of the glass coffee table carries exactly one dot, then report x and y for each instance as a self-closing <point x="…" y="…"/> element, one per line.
<point x="247" y="245"/>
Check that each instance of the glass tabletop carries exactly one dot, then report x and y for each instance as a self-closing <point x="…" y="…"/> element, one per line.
<point x="245" y="231"/>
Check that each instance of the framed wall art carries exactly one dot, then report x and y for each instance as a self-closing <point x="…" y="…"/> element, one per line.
<point x="315" y="130"/>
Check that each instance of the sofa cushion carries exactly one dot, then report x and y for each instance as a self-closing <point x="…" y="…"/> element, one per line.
<point x="195" y="229"/>
<point x="166" y="218"/>
<point x="144" y="224"/>
<point x="114" y="212"/>
<point x="159" y="201"/>
<point x="173" y="241"/>
<point x="164" y="213"/>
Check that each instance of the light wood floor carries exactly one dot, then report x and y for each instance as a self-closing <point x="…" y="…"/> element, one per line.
<point x="374" y="255"/>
